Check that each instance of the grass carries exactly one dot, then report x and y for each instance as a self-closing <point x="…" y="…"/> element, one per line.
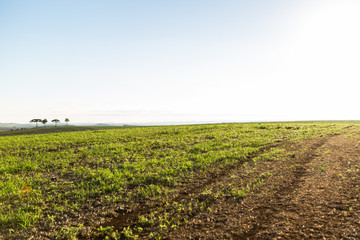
<point x="51" y="177"/>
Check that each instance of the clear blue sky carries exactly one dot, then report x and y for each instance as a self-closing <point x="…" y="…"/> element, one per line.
<point x="160" y="61"/>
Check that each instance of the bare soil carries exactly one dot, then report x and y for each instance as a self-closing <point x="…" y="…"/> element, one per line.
<point x="313" y="193"/>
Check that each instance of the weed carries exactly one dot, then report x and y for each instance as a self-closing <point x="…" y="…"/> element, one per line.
<point x="105" y="231"/>
<point x="127" y="233"/>
<point x="323" y="168"/>
<point x="68" y="233"/>
<point x="144" y="221"/>
<point x="239" y="194"/>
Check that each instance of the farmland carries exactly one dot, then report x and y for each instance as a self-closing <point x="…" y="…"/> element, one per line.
<point x="216" y="181"/>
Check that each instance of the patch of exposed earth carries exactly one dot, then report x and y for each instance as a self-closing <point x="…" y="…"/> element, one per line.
<point x="312" y="192"/>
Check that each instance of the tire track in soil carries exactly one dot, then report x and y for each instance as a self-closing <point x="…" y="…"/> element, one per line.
<point x="266" y="214"/>
<point x="128" y="218"/>
<point x="322" y="204"/>
<point x="244" y="220"/>
<point x="316" y="203"/>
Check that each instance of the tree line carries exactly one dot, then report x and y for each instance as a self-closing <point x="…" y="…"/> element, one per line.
<point x="45" y="121"/>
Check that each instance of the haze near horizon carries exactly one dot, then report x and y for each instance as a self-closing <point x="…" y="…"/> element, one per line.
<point x="179" y="61"/>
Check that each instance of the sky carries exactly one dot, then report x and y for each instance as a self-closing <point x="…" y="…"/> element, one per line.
<point x="138" y="61"/>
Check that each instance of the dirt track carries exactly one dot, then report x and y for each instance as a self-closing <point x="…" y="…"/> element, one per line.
<point x="313" y="192"/>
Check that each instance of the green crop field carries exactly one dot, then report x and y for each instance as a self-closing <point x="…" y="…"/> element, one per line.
<point x="137" y="182"/>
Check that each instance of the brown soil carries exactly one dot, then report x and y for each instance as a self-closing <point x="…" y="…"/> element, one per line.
<point x="313" y="193"/>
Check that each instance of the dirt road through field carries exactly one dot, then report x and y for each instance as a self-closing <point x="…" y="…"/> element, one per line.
<point x="312" y="192"/>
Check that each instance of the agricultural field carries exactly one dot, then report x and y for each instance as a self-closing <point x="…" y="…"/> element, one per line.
<point x="292" y="180"/>
<point x="45" y="130"/>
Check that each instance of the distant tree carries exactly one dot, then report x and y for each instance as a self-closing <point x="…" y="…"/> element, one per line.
<point x="36" y="121"/>
<point x="33" y="121"/>
<point x="67" y="121"/>
<point x="56" y="121"/>
<point x="44" y="121"/>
